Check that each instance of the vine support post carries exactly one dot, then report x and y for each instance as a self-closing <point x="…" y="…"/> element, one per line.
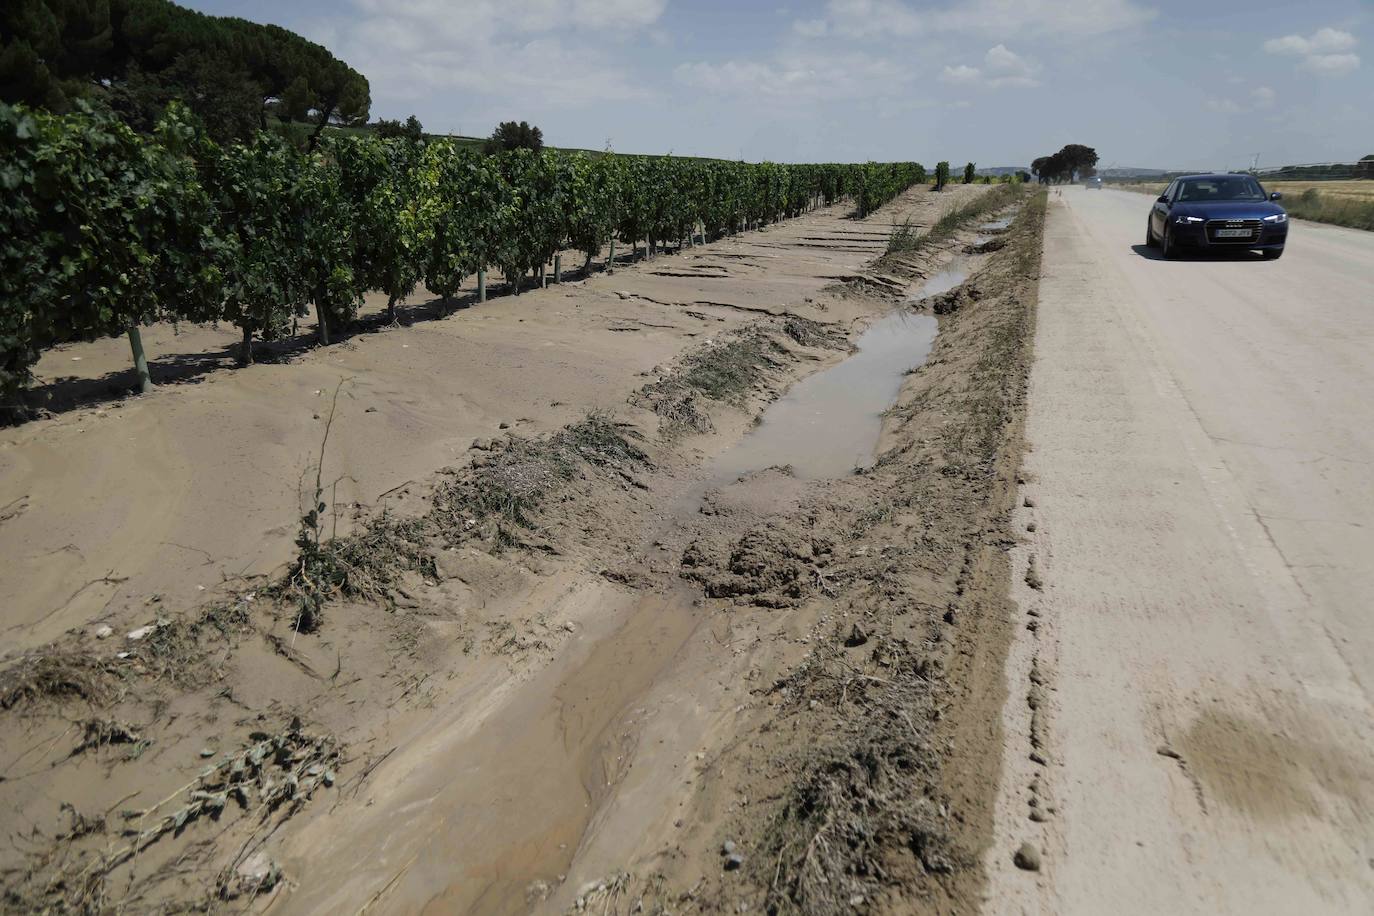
<point x="145" y="380"/>
<point x="610" y="258"/>
<point x="481" y="284"/>
<point x="246" y="348"/>
<point x="558" y="268"/>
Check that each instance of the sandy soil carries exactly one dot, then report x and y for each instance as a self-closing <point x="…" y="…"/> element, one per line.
<point x="563" y="660"/>
<point x="1189" y="717"/>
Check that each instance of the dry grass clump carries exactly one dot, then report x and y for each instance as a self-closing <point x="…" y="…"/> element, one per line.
<point x="513" y="482"/>
<point x="858" y="817"/>
<point x="500" y="494"/>
<point x="58" y="676"/>
<point x="1340" y="210"/>
<point x="905" y="239"/>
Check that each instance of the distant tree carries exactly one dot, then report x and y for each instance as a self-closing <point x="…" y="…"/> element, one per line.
<point x="941" y="175"/>
<point x="1024" y="176"/>
<point x="409" y="130"/>
<point x="1365" y="167"/>
<point x="138" y="55"/>
<point x="1077" y="160"/>
<point x="511" y="135"/>
<point x="969" y="171"/>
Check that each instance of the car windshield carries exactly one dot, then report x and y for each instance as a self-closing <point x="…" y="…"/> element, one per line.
<point x="1229" y="187"/>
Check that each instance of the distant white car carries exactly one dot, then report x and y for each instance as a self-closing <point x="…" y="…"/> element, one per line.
<point x="1093" y="182"/>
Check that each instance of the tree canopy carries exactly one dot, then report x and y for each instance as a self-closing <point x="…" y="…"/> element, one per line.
<point x="512" y="135"/>
<point x="139" y="55"/>
<point x="1073" y="161"/>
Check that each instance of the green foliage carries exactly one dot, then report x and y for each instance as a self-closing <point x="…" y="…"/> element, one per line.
<point x="396" y="130"/>
<point x="970" y="172"/>
<point x="513" y="135"/>
<point x="102" y="229"/>
<point x="1072" y="161"/>
<point x="941" y="175"/>
<point x="140" y="55"/>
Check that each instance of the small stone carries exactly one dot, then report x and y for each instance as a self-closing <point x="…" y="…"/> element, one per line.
<point x="104" y="631"/>
<point x="856" y="900"/>
<point x="1038" y="816"/>
<point x="315" y="416"/>
<point x="370" y="410"/>
<point x="481" y="445"/>
<point x="727" y="847"/>
<point x="141" y="632"/>
<point x="1030" y="526"/>
<point x="1028" y="503"/>
<point x="570" y="626"/>
<point x="207" y="752"/>
<point x="733" y="861"/>
<point x="503" y="425"/>
<point x="1027" y="858"/>
<point x="856" y="637"/>
<point x="1037" y="757"/>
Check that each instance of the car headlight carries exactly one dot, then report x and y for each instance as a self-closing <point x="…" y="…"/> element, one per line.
<point x="1188" y="219"/>
<point x="1277" y="218"/>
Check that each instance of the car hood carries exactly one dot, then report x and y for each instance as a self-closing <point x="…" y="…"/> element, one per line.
<point x="1227" y="209"/>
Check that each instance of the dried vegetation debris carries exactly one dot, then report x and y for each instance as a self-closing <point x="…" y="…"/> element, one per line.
<point x="497" y="500"/>
<point x="859" y="812"/>
<point x="730" y="369"/>
<point x="103" y="862"/>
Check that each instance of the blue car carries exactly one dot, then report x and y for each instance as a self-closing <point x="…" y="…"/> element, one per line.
<point x="1217" y="213"/>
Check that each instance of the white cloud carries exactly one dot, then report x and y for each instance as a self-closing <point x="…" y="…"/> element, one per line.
<point x="961" y="74"/>
<point x="799" y="79"/>
<point x="1331" y="64"/>
<point x="508" y="51"/>
<point x="1322" y="41"/>
<point x="1222" y="106"/>
<point x="1002" y="68"/>
<point x="811" y="28"/>
<point x="995" y="18"/>
<point x="1327" y="51"/>
<point x="1261" y="97"/>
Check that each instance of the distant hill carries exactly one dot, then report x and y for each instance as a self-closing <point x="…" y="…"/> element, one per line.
<point x="997" y="171"/>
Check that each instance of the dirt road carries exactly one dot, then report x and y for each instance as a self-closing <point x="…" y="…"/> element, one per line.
<point x="1189" y="728"/>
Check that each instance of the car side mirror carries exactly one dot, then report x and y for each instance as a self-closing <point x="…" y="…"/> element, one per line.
<point x="1276" y="195"/>
<point x="1162" y="199"/>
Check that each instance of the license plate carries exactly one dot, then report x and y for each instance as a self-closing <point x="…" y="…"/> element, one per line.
<point x="1233" y="233"/>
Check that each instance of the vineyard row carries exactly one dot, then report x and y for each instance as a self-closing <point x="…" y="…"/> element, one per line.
<point x="104" y="230"/>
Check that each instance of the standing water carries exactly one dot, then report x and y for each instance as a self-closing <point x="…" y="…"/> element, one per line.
<point x="828" y="424"/>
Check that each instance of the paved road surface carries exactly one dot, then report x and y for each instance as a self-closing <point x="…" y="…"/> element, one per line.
<point x="1202" y="479"/>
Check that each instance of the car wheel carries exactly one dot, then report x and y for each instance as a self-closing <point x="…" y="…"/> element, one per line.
<point x="1170" y="250"/>
<point x="1150" y="240"/>
<point x="1273" y="254"/>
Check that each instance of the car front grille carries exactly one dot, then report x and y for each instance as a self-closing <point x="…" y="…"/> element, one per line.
<point x="1216" y="225"/>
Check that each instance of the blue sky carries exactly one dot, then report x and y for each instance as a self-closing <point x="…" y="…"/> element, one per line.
<point x="1164" y="83"/>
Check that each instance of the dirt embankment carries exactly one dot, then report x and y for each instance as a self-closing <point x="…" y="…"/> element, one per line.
<point x="569" y="666"/>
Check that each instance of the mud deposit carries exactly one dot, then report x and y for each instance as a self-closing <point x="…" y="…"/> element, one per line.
<point x="604" y="619"/>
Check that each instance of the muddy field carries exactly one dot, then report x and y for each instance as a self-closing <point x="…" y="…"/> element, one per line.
<point x="677" y="589"/>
